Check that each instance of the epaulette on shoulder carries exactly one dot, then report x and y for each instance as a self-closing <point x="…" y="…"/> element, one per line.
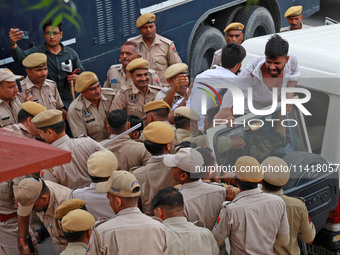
<point x="166" y="40"/>
<point x="108" y="92"/>
<point x="155" y="87"/>
<point x="51" y="81"/>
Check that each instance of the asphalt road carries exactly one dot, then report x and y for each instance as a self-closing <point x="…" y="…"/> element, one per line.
<point x="328" y="8"/>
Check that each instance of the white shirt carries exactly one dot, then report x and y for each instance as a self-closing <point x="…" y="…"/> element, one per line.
<point x="96" y="203"/>
<point x="251" y="76"/>
<point x="216" y="78"/>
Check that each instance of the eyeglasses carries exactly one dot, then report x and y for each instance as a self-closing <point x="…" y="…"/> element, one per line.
<point x="52" y="33"/>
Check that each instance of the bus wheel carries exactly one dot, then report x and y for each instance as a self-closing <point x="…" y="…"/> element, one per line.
<point x="206" y="41"/>
<point x="257" y="21"/>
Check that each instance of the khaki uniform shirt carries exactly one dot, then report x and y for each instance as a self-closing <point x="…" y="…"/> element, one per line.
<point x="132" y="100"/>
<point x="152" y="177"/>
<point x="162" y="94"/>
<point x="96" y="203"/>
<point x="128" y="152"/>
<point x="58" y="194"/>
<point x="183" y="135"/>
<point x="76" y="248"/>
<point x="187" y="239"/>
<point x="87" y="119"/>
<point x="202" y="201"/>
<point x="252" y="221"/>
<point x="47" y="95"/>
<point x="161" y="54"/>
<point x="9" y="228"/>
<point x="300" y="225"/>
<point x="19" y="129"/>
<point x="73" y="174"/>
<point x="285" y="29"/>
<point x="116" y="78"/>
<point x="131" y="232"/>
<point x="9" y="112"/>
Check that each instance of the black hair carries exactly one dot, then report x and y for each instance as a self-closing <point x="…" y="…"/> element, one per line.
<point x="161" y="113"/>
<point x="23" y="115"/>
<point x="276" y="47"/>
<point x="49" y="23"/>
<point x="270" y="187"/>
<point x="134" y="120"/>
<point x="232" y="54"/>
<point x="246" y="185"/>
<point x="117" y="120"/>
<point x="74" y="236"/>
<point x="168" y="197"/>
<point x="181" y="122"/>
<point x="98" y="179"/>
<point x="154" y="148"/>
<point x="57" y="127"/>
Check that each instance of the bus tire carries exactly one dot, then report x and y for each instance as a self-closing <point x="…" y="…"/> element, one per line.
<point x="257" y="21"/>
<point x="206" y="41"/>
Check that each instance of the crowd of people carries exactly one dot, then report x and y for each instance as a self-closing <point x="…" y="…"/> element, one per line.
<point x="135" y="183"/>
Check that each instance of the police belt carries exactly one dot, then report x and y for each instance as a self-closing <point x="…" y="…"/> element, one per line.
<point x="4" y="217"/>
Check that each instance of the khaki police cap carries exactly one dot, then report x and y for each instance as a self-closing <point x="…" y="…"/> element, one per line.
<point x="234" y="26"/>
<point x="7" y="75"/>
<point x="68" y="206"/>
<point x="187" y="112"/>
<point x="33" y="108"/>
<point x="137" y="63"/>
<point x="47" y="118"/>
<point x="121" y="184"/>
<point x="26" y="193"/>
<point x="175" y="69"/>
<point x="159" y="132"/>
<point x="248" y="169"/>
<point x="85" y="80"/>
<point x="276" y="171"/>
<point x="186" y="159"/>
<point x="77" y="220"/>
<point x="145" y="18"/>
<point x="293" y="11"/>
<point x="35" y="60"/>
<point x="155" y="105"/>
<point x="102" y="164"/>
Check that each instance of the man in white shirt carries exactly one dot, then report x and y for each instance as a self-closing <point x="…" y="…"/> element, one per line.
<point x="276" y="69"/>
<point x="213" y="80"/>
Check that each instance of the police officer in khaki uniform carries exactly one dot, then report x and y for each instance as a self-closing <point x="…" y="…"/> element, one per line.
<point x="177" y="77"/>
<point x="233" y="34"/>
<point x="294" y="17"/>
<point x="88" y="112"/>
<point x="184" y="237"/>
<point x="10" y="103"/>
<point x="202" y="201"/>
<point x="77" y="226"/>
<point x="118" y="77"/>
<point x="8" y="217"/>
<point x="36" y="87"/>
<point x="34" y="194"/>
<point x="51" y="127"/>
<point x="300" y="225"/>
<point x="100" y="166"/>
<point x="186" y="120"/>
<point x="25" y="127"/>
<point x="254" y="220"/>
<point x="157" y="110"/>
<point x="124" y="147"/>
<point x="155" y="175"/>
<point x="131" y="232"/>
<point x="160" y="51"/>
<point x="132" y="100"/>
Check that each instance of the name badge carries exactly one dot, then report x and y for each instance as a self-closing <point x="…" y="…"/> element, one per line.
<point x="91" y="120"/>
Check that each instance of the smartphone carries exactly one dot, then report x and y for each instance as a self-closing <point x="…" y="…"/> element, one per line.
<point x="26" y="34"/>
